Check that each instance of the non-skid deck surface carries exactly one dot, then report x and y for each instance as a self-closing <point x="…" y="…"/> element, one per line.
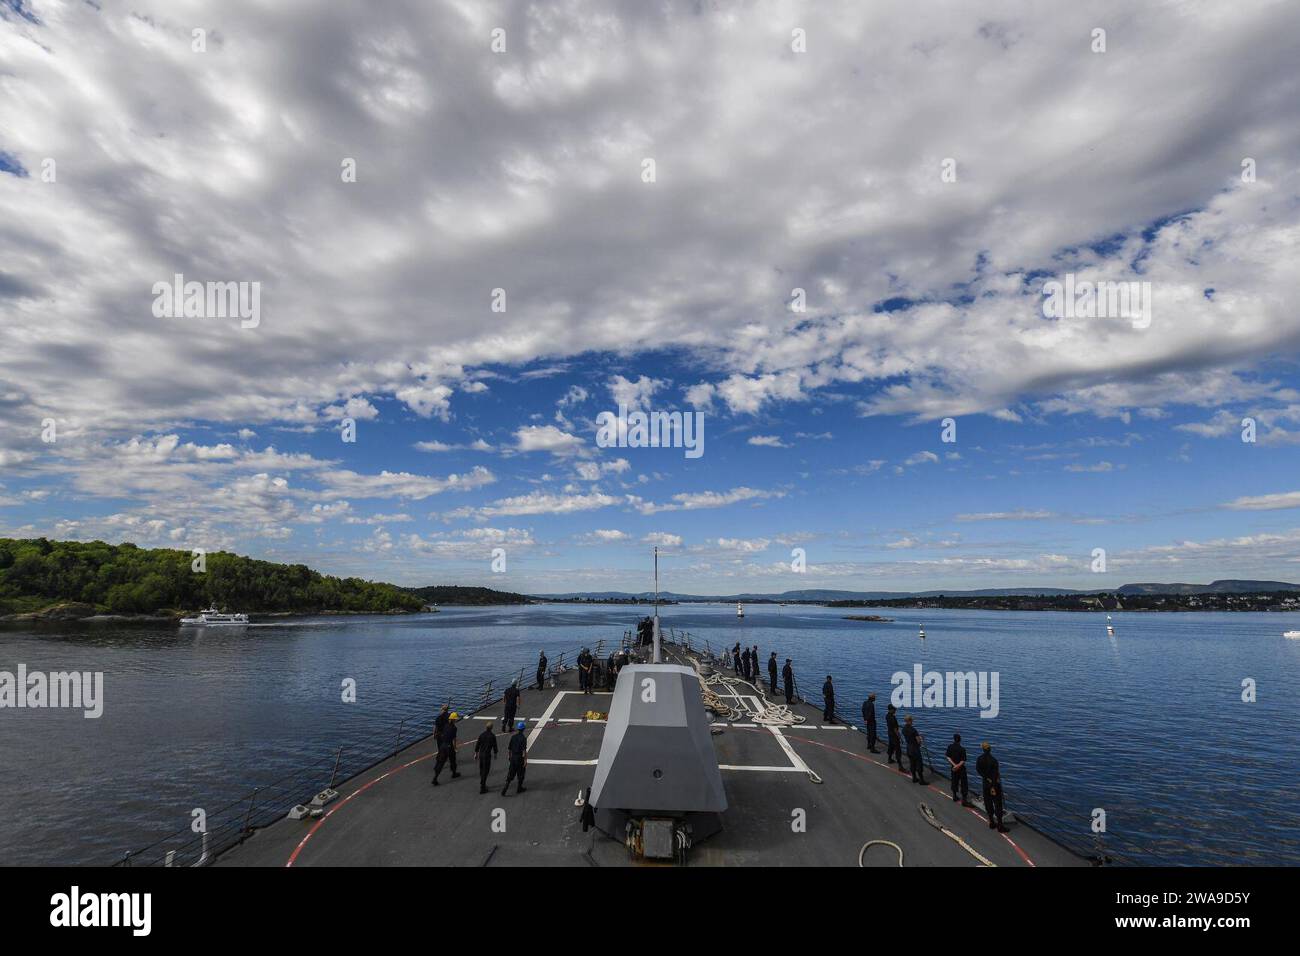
<point x="777" y="815"/>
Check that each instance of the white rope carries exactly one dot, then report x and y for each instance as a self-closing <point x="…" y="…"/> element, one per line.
<point x="871" y="843"/>
<point x="931" y="819"/>
<point x="768" y="713"/>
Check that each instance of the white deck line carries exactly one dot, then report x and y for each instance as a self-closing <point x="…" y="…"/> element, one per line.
<point x="541" y="721"/>
<point x="561" y="763"/>
<point x="789" y="751"/>
<point x="731" y="766"/>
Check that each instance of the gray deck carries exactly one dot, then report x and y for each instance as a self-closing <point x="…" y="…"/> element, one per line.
<point x="391" y="816"/>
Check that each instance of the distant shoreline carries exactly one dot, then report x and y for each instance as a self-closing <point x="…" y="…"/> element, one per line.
<point x="66" y="611"/>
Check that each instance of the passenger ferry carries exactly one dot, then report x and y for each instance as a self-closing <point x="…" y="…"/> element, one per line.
<point x="214" y="618"/>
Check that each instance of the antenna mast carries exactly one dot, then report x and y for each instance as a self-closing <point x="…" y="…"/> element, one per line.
<point x="658" y="658"/>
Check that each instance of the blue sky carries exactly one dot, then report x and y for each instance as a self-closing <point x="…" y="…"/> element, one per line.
<point x="876" y="502"/>
<point x="460" y="249"/>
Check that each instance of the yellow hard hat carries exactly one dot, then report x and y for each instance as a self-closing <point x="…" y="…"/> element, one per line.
<point x="455" y="716"/>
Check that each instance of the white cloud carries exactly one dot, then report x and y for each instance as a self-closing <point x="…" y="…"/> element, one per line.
<point x="634" y="394"/>
<point x="546" y="438"/>
<point x="175" y="139"/>
<point x="1022" y="515"/>
<point x="576" y="395"/>
<point x="593" y="470"/>
<point x="744" y="545"/>
<point x="470" y="544"/>
<point x="767" y="441"/>
<point x="691" y="501"/>
<point x="540" y="502"/>
<point x="663" y="539"/>
<point x="358" y="409"/>
<point x="1286" y="499"/>
<point x="343" y="483"/>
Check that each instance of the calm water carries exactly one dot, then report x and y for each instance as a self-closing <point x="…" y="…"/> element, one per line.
<point x="1149" y="726"/>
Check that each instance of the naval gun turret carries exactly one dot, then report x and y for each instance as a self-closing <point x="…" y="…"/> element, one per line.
<point x="657" y="784"/>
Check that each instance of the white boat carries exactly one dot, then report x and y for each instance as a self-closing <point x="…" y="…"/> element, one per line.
<point x="214" y="618"/>
<point x="1110" y="631"/>
<point x="922" y="632"/>
<point x="1291" y="634"/>
<point x="740" y="611"/>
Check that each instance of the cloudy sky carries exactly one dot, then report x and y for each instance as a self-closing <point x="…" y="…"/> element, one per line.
<point x="475" y="226"/>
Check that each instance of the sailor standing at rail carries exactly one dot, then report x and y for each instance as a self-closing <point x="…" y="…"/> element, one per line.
<point x="744" y="663"/>
<point x="828" y="694"/>
<point x="956" y="755"/>
<point x="735" y="659"/>
<point x="447" y="749"/>
<point x="484" y="748"/>
<point x="771" y="671"/>
<point x="914" y="741"/>
<point x="585" y="661"/>
<point x="440" y="723"/>
<point x="518" y="749"/>
<point x="754" y="665"/>
<point x="895" y="747"/>
<point x="991" y="785"/>
<point x="869" y="718"/>
<point x="512" y="705"/>
<point x="541" y="670"/>
<point x="787" y="674"/>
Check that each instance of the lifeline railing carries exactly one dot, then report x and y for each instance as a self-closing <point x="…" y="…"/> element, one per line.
<point x="232" y="822"/>
<point x="1041" y="812"/>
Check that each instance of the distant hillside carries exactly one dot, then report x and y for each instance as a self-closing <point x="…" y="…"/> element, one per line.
<point x="36" y="573"/>
<point x="1214" y="587"/>
<point x="455" y="594"/>
<point x="827" y="596"/>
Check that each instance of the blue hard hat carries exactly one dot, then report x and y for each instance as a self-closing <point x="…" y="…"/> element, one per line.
<point x="520" y="726"/>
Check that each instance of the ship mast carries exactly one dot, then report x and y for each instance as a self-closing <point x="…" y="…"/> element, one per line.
<point x="657" y="658"/>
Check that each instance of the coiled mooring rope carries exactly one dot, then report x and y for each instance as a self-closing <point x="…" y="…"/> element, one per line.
<point x="871" y="843"/>
<point x="769" y="713"/>
<point x="928" y="815"/>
